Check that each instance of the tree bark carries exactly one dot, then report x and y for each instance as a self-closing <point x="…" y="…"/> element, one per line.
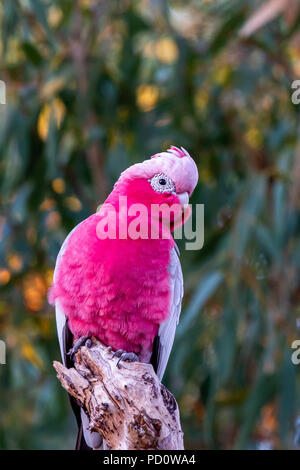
<point x="127" y="406"/>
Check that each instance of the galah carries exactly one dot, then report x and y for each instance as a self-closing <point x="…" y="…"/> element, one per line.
<point x="126" y="291"/>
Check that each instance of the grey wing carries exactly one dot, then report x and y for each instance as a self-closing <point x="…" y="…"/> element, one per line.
<point x="167" y="329"/>
<point x="61" y="320"/>
<point x="65" y="337"/>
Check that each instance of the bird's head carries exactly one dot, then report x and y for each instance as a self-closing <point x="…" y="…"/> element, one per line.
<point x="166" y="178"/>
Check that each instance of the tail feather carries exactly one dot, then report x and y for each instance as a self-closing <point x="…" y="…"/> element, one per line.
<point x="80" y="443"/>
<point x="68" y="343"/>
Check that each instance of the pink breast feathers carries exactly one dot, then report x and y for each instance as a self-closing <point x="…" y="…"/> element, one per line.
<point x="116" y="290"/>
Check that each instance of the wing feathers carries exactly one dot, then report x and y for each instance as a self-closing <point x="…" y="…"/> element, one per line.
<point x="167" y="329"/>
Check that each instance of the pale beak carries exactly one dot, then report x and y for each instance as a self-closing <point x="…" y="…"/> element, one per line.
<point x="183" y="198"/>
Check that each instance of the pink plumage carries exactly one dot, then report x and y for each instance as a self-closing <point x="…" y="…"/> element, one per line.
<point x="119" y="289"/>
<point x="116" y="290"/>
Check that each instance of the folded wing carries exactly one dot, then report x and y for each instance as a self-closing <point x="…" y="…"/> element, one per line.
<point x="166" y="334"/>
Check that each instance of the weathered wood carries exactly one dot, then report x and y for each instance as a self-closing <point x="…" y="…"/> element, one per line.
<point x="128" y="407"/>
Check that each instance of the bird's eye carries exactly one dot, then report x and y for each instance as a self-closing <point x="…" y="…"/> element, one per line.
<point x="162" y="183"/>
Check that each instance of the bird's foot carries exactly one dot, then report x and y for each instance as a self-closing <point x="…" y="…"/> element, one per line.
<point x="82" y="341"/>
<point x="125" y="356"/>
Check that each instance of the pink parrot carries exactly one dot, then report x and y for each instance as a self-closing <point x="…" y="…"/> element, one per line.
<point x="125" y="291"/>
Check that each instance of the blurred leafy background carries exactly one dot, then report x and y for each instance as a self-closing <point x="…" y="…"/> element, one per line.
<point x="94" y="86"/>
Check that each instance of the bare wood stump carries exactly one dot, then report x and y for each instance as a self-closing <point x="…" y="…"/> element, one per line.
<point x="128" y="407"/>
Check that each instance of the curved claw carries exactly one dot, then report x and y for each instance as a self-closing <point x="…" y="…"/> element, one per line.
<point x="82" y="341"/>
<point x="118" y="353"/>
<point x="125" y="356"/>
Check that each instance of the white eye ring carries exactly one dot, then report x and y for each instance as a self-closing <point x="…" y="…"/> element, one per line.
<point x="162" y="183"/>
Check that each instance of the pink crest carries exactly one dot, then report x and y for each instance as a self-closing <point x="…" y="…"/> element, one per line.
<point x="180" y="153"/>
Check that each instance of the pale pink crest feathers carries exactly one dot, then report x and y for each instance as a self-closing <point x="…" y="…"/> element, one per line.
<point x="175" y="151"/>
<point x="175" y="163"/>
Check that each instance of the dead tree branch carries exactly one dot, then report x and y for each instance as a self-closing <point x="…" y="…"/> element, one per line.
<point x="128" y="407"/>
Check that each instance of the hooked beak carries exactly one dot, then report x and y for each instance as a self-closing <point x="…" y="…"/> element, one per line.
<point x="182" y="212"/>
<point x="183" y="198"/>
<point x="184" y="202"/>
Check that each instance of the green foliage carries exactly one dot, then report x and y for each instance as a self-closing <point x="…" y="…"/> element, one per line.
<point x="93" y="87"/>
